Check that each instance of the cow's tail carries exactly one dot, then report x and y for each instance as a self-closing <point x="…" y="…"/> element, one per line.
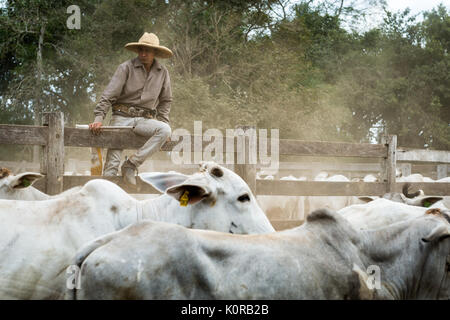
<point x="81" y="256"/>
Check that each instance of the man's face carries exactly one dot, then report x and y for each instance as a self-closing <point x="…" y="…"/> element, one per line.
<point x="146" y="55"/>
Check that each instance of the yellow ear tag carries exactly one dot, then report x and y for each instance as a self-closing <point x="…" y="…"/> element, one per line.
<point x="184" y="199"/>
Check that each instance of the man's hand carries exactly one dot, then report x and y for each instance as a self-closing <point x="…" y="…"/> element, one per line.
<point x="95" y="127"/>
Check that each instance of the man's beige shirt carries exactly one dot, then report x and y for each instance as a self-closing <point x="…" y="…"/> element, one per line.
<point x="131" y="84"/>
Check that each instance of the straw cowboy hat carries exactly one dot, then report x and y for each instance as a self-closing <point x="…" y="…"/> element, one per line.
<point x="150" y="40"/>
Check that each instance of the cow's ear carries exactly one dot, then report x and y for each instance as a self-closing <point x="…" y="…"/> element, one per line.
<point x="4" y="172"/>
<point x="429" y="201"/>
<point x="425" y="201"/>
<point x="189" y="193"/>
<point x="24" y="180"/>
<point x="161" y="181"/>
<point x="438" y="233"/>
<point x="366" y="199"/>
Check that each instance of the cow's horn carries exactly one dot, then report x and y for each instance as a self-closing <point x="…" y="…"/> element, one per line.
<point x="405" y="191"/>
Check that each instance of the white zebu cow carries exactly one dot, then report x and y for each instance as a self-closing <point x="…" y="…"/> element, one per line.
<point x="392" y="208"/>
<point x="415" y="177"/>
<point x="322" y="259"/>
<point x="333" y="203"/>
<point x="20" y="186"/>
<point x="382" y="212"/>
<point x="39" y="238"/>
<point x="297" y="207"/>
<point x="283" y="207"/>
<point x="370" y="178"/>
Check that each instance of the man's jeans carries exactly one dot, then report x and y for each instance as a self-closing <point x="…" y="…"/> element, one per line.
<point x="157" y="131"/>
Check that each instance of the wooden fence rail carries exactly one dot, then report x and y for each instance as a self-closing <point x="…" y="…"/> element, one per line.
<point x="53" y="136"/>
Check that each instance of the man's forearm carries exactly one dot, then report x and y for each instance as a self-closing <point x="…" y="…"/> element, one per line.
<point x="163" y="110"/>
<point x="101" y="109"/>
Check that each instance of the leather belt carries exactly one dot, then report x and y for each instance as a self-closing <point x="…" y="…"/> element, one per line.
<point x="133" y="111"/>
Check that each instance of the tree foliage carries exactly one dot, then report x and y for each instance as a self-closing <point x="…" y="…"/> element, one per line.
<point x="284" y="64"/>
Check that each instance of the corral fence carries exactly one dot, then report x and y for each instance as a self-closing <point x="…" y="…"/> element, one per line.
<point x="53" y="137"/>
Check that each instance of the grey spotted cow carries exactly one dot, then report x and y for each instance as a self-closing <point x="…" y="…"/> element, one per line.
<point x="325" y="258"/>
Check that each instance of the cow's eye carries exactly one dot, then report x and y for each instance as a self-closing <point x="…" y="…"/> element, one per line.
<point x="245" y="197"/>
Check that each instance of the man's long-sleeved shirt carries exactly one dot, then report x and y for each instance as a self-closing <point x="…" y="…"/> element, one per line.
<point x="131" y="84"/>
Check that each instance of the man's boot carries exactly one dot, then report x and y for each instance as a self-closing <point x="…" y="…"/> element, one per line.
<point x="128" y="173"/>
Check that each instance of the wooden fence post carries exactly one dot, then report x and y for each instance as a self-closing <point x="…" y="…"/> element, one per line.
<point x="441" y="171"/>
<point x="405" y="169"/>
<point x="389" y="163"/>
<point x="247" y="169"/>
<point x="53" y="156"/>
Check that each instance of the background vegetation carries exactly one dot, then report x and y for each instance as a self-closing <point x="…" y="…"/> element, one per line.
<point x="301" y="66"/>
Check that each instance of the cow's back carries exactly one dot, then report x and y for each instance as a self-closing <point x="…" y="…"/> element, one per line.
<point x="161" y="261"/>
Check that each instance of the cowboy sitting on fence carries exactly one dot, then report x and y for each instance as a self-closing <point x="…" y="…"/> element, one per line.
<point x="140" y="95"/>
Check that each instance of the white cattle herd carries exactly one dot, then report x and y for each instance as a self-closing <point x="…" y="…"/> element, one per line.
<point x="206" y="237"/>
<point x="298" y="207"/>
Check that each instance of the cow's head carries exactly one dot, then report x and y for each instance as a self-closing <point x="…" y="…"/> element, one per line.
<point x="217" y="198"/>
<point x="413" y="199"/>
<point x="437" y="267"/>
<point x="419" y="266"/>
<point x="10" y="183"/>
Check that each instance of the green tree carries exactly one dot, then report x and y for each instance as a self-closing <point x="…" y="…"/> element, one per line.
<point x="275" y="63"/>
